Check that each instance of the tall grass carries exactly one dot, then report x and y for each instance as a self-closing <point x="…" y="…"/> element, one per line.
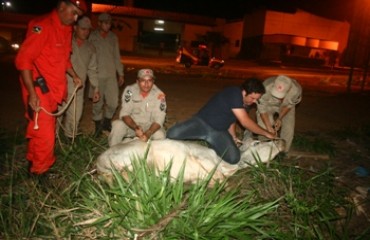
<point x="72" y="202"/>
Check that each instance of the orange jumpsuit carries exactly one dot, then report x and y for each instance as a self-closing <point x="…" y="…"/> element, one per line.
<point x="47" y="46"/>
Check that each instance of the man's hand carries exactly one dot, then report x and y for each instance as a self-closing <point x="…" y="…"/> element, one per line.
<point x="144" y="138"/>
<point x="121" y="80"/>
<point x="237" y="141"/>
<point x="77" y="81"/>
<point x="96" y="96"/>
<point x="139" y="132"/>
<point x="34" y="102"/>
<point x="270" y="135"/>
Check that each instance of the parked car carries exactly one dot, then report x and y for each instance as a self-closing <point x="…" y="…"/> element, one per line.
<point x="199" y="56"/>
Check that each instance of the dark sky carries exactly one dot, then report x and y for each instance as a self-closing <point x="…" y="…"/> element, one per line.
<point x="335" y="9"/>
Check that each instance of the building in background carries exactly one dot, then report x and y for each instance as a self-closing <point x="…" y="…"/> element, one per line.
<point x="264" y="35"/>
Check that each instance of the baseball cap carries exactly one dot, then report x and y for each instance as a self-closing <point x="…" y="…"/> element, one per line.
<point x="145" y="73"/>
<point x="281" y="86"/>
<point x="84" y="22"/>
<point x="81" y="4"/>
<point x="105" y="17"/>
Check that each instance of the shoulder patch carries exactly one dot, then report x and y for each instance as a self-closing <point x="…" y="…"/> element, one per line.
<point x="162" y="98"/>
<point x="128" y="95"/>
<point x="37" y="29"/>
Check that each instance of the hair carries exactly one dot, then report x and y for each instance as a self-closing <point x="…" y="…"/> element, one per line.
<point x="65" y="1"/>
<point x="253" y="85"/>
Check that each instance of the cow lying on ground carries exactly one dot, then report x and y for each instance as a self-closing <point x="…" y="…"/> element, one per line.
<point x="199" y="160"/>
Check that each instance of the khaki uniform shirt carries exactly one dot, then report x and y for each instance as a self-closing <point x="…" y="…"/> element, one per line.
<point x="108" y="54"/>
<point x="84" y="63"/>
<point x="142" y="110"/>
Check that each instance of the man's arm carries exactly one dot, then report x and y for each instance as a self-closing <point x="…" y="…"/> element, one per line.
<point x="92" y="72"/>
<point x="133" y="125"/>
<point x="248" y="123"/>
<point x="119" y="65"/>
<point x="76" y="79"/>
<point x="153" y="128"/>
<point x="232" y="131"/>
<point x="284" y="111"/>
<point x="33" y="99"/>
<point x="266" y="121"/>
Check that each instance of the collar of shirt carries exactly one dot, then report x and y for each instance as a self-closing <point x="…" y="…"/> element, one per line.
<point x="103" y="34"/>
<point x="144" y="95"/>
<point x="79" y="42"/>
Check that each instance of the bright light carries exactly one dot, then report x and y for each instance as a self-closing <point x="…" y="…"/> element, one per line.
<point x="6" y="5"/>
<point x="159" y="22"/>
<point x="159" y="29"/>
<point x="15" y="46"/>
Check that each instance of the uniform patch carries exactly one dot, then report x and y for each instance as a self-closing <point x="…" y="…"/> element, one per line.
<point x="37" y="29"/>
<point x="162" y="98"/>
<point x="128" y="95"/>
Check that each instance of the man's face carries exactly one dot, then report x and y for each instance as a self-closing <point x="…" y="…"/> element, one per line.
<point x="105" y="25"/>
<point x="81" y="33"/>
<point x="68" y="13"/>
<point x="249" y="99"/>
<point x="145" y="84"/>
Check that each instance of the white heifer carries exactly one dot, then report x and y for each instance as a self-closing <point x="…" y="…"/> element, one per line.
<point x="199" y="160"/>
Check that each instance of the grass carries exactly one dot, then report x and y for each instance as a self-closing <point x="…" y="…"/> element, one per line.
<point x="261" y="202"/>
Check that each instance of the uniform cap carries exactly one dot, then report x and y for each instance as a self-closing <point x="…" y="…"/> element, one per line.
<point x="81" y="4"/>
<point x="145" y="73"/>
<point x="281" y="86"/>
<point x="105" y="17"/>
<point x="84" y="22"/>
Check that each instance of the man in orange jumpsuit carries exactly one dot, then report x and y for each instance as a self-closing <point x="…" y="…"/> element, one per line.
<point x="45" y="55"/>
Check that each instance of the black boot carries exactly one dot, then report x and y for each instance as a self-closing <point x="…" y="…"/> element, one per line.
<point x="98" y="128"/>
<point x="107" y="124"/>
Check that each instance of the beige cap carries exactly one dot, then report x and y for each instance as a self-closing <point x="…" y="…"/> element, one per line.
<point x="281" y="86"/>
<point x="145" y="73"/>
<point x="105" y="17"/>
<point x="84" y="22"/>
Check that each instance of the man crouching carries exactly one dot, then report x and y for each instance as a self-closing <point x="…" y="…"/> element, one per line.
<point x="143" y="111"/>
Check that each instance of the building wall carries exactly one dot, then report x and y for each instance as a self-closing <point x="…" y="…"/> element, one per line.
<point x="307" y="25"/>
<point x="249" y="32"/>
<point x="254" y="24"/>
<point x="234" y="32"/>
<point x="192" y="32"/>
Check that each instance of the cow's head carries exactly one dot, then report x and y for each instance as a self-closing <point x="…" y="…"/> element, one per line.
<point x="253" y="151"/>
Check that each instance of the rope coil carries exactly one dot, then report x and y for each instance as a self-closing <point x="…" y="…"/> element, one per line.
<point x="36" y="126"/>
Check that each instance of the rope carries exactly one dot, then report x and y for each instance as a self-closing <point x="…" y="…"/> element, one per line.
<point x="36" y="126"/>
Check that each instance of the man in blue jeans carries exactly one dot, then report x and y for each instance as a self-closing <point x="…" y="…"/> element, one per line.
<point x="215" y="122"/>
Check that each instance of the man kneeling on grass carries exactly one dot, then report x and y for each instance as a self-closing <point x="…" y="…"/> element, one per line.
<point x="143" y="111"/>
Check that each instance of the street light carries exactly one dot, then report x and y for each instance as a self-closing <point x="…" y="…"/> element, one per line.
<point x="5" y="5"/>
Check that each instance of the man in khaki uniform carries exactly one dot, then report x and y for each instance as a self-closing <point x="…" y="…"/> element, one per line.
<point x="282" y="95"/>
<point x="83" y="60"/>
<point x="143" y="111"/>
<point x="109" y="66"/>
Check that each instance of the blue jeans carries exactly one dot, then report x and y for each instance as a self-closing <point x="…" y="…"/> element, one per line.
<point x="196" y="129"/>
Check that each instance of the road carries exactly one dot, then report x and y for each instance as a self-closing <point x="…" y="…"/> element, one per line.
<point x="324" y="78"/>
<point x="324" y="105"/>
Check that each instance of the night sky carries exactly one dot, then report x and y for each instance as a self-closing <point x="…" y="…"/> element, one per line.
<point x="335" y="9"/>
